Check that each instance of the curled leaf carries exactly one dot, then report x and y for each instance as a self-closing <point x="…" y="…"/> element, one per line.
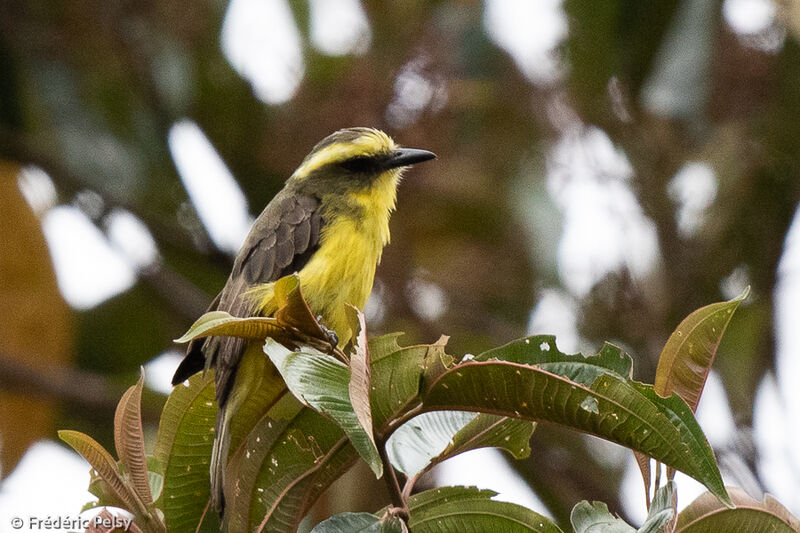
<point x="687" y="356"/>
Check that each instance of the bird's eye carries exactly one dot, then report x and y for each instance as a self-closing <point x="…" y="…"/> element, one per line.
<point x="359" y="164"/>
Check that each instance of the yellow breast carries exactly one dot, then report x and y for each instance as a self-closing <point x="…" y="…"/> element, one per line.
<point x="342" y="270"/>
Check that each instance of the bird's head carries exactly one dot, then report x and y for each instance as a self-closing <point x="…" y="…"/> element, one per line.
<point x="361" y="161"/>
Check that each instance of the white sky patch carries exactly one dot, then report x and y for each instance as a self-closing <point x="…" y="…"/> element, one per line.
<point x="220" y="203"/>
<point x="604" y="227"/>
<point x="130" y="236"/>
<point x="50" y="480"/>
<point x="261" y="41"/>
<point x="530" y="33"/>
<point x="339" y="27"/>
<point x="375" y="310"/>
<point x="777" y="412"/>
<point x="415" y="90"/>
<point x="88" y="269"/>
<point x="158" y="372"/>
<point x="777" y="464"/>
<point x="787" y="334"/>
<point x="756" y="23"/>
<point x="485" y="468"/>
<point x="749" y="17"/>
<point x="426" y="299"/>
<point x="714" y="413"/>
<point x="632" y="490"/>
<point x="694" y="189"/>
<point x="735" y="283"/>
<point x="555" y="314"/>
<point x="37" y="188"/>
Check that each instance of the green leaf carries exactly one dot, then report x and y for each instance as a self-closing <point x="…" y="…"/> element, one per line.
<point x="349" y="523"/>
<point x="155" y="477"/>
<point x="459" y="509"/>
<point x="360" y="523"/>
<point x="129" y="440"/>
<point x="706" y="515"/>
<point x="662" y="511"/>
<point x="491" y="431"/>
<point x="682" y="418"/>
<point x="223" y="323"/>
<point x="395" y="377"/>
<point x="283" y="466"/>
<point x="689" y="352"/>
<point x="541" y="349"/>
<point x="430" y="438"/>
<point x="292" y="325"/>
<point x="582" y="393"/>
<point x="595" y="518"/>
<point x="322" y="382"/>
<point x="417" y="442"/>
<point x="183" y="446"/>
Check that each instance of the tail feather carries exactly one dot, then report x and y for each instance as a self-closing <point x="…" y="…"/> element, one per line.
<point x="192" y="363"/>
<point x="219" y="459"/>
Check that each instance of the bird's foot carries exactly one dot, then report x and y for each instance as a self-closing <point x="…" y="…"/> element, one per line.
<point x="330" y="335"/>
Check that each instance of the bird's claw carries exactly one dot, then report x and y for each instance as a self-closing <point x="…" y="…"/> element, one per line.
<point x="330" y="335"/>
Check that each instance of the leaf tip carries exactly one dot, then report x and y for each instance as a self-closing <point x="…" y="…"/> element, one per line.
<point x="186" y="337"/>
<point x="743" y="296"/>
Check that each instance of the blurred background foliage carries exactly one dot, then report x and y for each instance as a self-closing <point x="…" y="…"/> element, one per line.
<point x="641" y="163"/>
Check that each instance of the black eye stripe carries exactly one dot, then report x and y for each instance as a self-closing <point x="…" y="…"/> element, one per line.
<point x="361" y="164"/>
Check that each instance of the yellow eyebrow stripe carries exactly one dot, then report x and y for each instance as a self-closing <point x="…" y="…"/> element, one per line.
<point x="373" y="143"/>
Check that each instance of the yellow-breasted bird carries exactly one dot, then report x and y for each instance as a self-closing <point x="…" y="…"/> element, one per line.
<point x="329" y="224"/>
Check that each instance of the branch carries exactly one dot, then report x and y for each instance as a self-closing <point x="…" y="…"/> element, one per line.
<point x="81" y="387"/>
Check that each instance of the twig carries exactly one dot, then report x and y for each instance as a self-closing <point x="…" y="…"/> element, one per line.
<point x="392" y="483"/>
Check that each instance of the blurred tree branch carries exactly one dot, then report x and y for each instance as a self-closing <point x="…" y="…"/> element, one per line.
<point x="178" y="292"/>
<point x="15" y="146"/>
<point x="78" y="387"/>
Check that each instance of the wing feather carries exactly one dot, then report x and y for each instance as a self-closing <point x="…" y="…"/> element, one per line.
<point x="282" y="240"/>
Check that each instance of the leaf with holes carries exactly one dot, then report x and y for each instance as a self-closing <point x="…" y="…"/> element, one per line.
<point x="183" y="447"/>
<point x="289" y="458"/>
<point x="586" y="394"/>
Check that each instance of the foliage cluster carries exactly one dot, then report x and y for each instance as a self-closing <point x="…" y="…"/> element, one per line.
<point x="405" y="409"/>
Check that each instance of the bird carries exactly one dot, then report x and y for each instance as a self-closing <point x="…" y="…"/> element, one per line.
<point x="329" y="225"/>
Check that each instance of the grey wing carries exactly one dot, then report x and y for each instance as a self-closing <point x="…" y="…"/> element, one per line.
<point x="282" y="240"/>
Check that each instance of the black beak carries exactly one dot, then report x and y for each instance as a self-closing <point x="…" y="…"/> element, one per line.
<point x="404" y="157"/>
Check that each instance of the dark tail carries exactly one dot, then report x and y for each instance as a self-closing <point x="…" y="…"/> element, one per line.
<point x="219" y="459"/>
<point x="193" y="362"/>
